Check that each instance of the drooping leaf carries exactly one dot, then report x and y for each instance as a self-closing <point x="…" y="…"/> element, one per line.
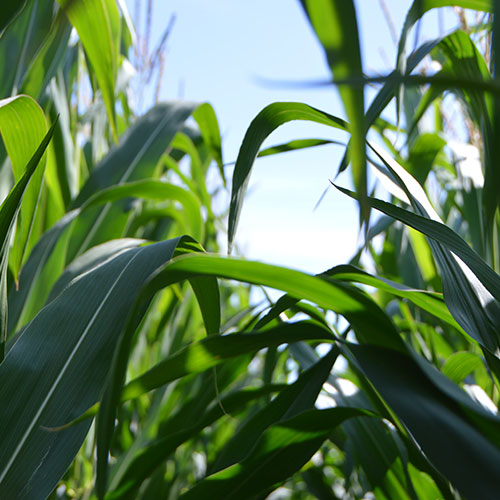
<point x="428" y="301"/>
<point x="154" y="190"/>
<point x="458" y="444"/>
<point x="470" y="296"/>
<point x="268" y="120"/>
<point x="366" y="318"/>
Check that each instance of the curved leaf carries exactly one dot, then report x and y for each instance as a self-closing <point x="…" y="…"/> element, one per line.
<point x="154" y="190"/>
<point x="8" y="212"/>
<point x="420" y="7"/>
<point x="23" y="126"/>
<point x="458" y="444"/>
<point x="9" y="11"/>
<point x="268" y="120"/>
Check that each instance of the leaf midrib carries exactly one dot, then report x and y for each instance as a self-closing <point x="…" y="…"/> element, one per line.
<point x="64" y="368"/>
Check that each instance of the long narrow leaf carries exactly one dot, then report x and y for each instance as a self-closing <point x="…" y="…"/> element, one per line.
<point x="280" y="452"/>
<point x="23" y="126"/>
<point x="98" y="25"/>
<point x="268" y="120"/>
<point x="8" y="213"/>
<point x="336" y="27"/>
<point x="57" y="368"/>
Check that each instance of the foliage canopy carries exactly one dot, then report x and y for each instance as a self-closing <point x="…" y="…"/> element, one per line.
<point x="133" y="363"/>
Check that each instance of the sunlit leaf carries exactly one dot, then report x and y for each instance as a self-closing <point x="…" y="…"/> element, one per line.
<point x="98" y="25"/>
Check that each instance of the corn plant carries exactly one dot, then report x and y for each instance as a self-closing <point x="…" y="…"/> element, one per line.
<point x="133" y="362"/>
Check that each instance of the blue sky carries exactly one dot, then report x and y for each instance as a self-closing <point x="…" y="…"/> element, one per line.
<point x="219" y="52"/>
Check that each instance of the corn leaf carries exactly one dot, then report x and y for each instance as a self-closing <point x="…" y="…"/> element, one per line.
<point x="298" y="397"/>
<point x="281" y="451"/>
<point x="57" y="367"/>
<point x="156" y="452"/>
<point x="8" y="213"/>
<point x="98" y="25"/>
<point x="336" y="27"/>
<point x="268" y="120"/>
<point x="134" y="158"/>
<point x="457" y="443"/>
<point x="9" y="11"/>
<point x="23" y="126"/>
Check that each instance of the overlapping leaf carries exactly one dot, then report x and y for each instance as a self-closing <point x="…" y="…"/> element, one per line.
<point x="98" y="25"/>
<point x="57" y="368"/>
<point x="268" y="120"/>
<point x="23" y="126"/>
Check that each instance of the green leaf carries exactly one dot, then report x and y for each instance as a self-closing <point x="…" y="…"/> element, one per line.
<point x="9" y="11"/>
<point x="428" y="301"/>
<point x="420" y="7"/>
<point x="21" y="40"/>
<point x="458" y="443"/>
<point x="492" y="147"/>
<point x="8" y="212"/>
<point x="370" y="323"/>
<point x="268" y="120"/>
<point x="42" y="68"/>
<point x="155" y="453"/>
<point x="443" y="235"/>
<point x="98" y="25"/>
<point x="207" y="293"/>
<point x="154" y="190"/>
<point x="39" y="271"/>
<point x="281" y="451"/>
<point x="463" y="295"/>
<point x="23" y="126"/>
<point x="210" y="352"/>
<point x="470" y="297"/>
<point x="57" y="367"/>
<point x="298" y="397"/>
<point x="422" y="155"/>
<point x="295" y="146"/>
<point x="209" y="127"/>
<point x="134" y="159"/>
<point x="461" y="364"/>
<point x="37" y="276"/>
<point x="336" y="27"/>
<point x="375" y="449"/>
